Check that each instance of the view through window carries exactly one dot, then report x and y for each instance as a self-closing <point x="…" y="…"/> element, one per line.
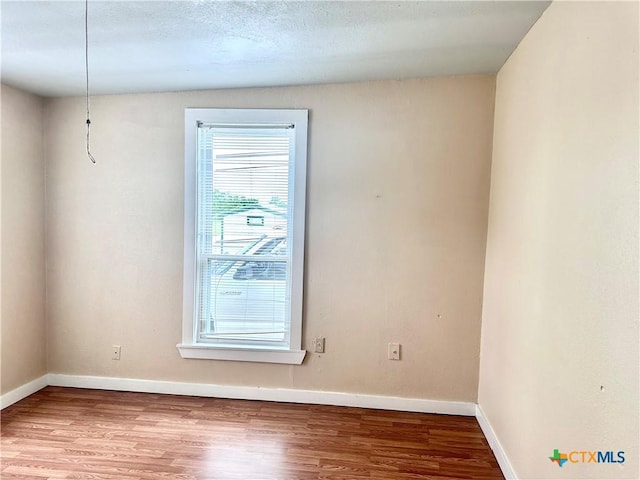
<point x="243" y="227"/>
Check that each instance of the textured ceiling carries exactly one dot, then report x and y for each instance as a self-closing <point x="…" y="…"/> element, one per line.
<point x="149" y="46"/>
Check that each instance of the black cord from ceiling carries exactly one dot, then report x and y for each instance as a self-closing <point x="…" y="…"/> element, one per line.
<point x="86" y="69"/>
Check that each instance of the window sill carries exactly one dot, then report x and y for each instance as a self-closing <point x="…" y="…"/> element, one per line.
<point x="241" y="354"/>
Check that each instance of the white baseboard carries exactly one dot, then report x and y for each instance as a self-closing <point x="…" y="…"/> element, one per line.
<point x="270" y="394"/>
<point x="496" y="446"/>
<point x="23" y="391"/>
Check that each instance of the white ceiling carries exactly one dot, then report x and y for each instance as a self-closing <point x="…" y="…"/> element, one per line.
<point x="149" y="46"/>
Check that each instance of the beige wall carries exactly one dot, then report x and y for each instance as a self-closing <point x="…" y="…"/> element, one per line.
<point x="397" y="210"/>
<point x="23" y="329"/>
<point x="559" y="361"/>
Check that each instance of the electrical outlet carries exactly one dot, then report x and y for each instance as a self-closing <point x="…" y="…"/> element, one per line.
<point x="394" y="351"/>
<point x="115" y="352"/>
<point x="318" y="345"/>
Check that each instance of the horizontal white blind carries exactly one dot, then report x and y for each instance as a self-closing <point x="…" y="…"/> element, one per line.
<point x="243" y="235"/>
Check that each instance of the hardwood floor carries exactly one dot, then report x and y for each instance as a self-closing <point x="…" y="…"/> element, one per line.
<point x="95" y="434"/>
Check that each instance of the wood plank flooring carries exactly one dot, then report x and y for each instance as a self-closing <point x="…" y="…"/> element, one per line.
<point x="95" y="434"/>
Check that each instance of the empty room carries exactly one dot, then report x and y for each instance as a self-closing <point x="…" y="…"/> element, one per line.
<point x="320" y="240"/>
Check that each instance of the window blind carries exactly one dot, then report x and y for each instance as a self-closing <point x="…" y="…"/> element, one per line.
<point x="243" y="237"/>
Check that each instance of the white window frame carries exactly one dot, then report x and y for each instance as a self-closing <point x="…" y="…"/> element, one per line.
<point x="190" y="347"/>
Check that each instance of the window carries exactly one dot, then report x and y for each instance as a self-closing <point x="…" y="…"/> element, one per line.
<point x="245" y="179"/>
<point x="255" y="220"/>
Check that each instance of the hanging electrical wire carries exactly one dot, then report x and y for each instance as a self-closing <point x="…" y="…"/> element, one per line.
<point x="86" y="69"/>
